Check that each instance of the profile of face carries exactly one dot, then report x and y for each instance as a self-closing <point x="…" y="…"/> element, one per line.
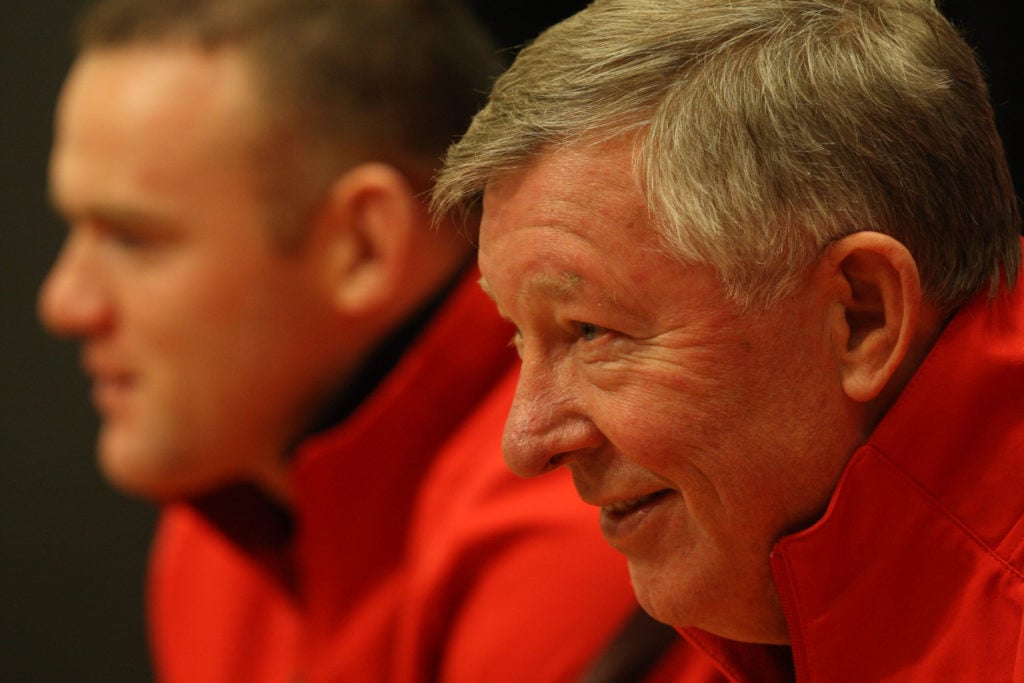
<point x="195" y="327"/>
<point x="702" y="431"/>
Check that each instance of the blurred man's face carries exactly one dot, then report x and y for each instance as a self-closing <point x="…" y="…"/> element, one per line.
<point x="198" y="333"/>
<point x="703" y="433"/>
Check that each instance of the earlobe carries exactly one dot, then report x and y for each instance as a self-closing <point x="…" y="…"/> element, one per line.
<point x="373" y="215"/>
<point x="875" y="315"/>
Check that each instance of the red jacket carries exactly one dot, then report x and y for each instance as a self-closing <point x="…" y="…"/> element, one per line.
<point x="916" y="571"/>
<point x="412" y="554"/>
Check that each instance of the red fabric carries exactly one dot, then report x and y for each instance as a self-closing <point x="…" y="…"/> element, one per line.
<point x="416" y="555"/>
<point x="686" y="664"/>
<point x="916" y="571"/>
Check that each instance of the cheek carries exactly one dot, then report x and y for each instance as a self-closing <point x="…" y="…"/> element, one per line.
<point x="706" y="431"/>
<point x="202" y="344"/>
<point x="658" y="402"/>
<point x="182" y="297"/>
<point x="209" y="301"/>
<point x="651" y="424"/>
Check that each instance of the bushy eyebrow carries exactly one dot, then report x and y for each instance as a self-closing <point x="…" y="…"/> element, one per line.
<point x="559" y="288"/>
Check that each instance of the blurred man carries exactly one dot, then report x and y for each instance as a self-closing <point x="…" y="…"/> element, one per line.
<point x="288" y="358"/>
<point x="761" y="258"/>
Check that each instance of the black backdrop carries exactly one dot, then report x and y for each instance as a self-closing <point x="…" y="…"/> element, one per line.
<point x="73" y="551"/>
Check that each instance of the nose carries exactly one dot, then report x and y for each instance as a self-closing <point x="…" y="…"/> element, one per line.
<point x="73" y="300"/>
<point x="547" y="424"/>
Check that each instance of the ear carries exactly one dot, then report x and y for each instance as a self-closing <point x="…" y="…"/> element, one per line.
<point x="874" y="316"/>
<point x="371" y="217"/>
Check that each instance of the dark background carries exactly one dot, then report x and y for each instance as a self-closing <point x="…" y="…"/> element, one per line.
<point x="73" y="550"/>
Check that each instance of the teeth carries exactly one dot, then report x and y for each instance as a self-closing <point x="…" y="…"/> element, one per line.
<point x="627" y="505"/>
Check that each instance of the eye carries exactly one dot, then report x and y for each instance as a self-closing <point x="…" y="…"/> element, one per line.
<point x="127" y="239"/>
<point x="135" y="235"/>
<point x="590" y="331"/>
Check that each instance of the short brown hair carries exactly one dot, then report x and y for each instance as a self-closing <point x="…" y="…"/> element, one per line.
<point x="384" y="80"/>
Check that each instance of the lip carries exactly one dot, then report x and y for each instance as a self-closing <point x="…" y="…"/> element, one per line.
<point x="110" y="392"/>
<point x="111" y="385"/>
<point x="625" y="517"/>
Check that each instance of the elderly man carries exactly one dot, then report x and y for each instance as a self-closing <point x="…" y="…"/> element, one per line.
<point x="761" y="257"/>
<point x="293" y="364"/>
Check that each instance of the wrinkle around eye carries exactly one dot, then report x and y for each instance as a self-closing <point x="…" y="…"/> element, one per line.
<point x="601" y="345"/>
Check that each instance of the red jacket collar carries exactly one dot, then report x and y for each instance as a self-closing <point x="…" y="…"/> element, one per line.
<point x="356" y="484"/>
<point x="913" y="569"/>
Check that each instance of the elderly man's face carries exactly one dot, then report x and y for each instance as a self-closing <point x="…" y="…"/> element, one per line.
<point x="703" y="433"/>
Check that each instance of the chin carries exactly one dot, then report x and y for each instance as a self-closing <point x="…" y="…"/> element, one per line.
<point x="664" y="600"/>
<point x="141" y="472"/>
<point x="689" y="602"/>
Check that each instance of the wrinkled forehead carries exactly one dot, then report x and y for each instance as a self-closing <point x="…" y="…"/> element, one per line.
<point x="566" y="221"/>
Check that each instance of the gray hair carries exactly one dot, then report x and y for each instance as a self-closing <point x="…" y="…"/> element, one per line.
<point x="766" y="129"/>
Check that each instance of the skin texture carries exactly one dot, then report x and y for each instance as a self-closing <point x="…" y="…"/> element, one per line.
<point x="704" y="432"/>
<point x="211" y="348"/>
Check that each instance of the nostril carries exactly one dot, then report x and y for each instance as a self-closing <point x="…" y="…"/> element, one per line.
<point x="532" y="454"/>
<point x="555" y="461"/>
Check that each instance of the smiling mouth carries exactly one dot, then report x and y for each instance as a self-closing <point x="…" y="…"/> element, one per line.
<point x="624" y="508"/>
<point x="625" y="518"/>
